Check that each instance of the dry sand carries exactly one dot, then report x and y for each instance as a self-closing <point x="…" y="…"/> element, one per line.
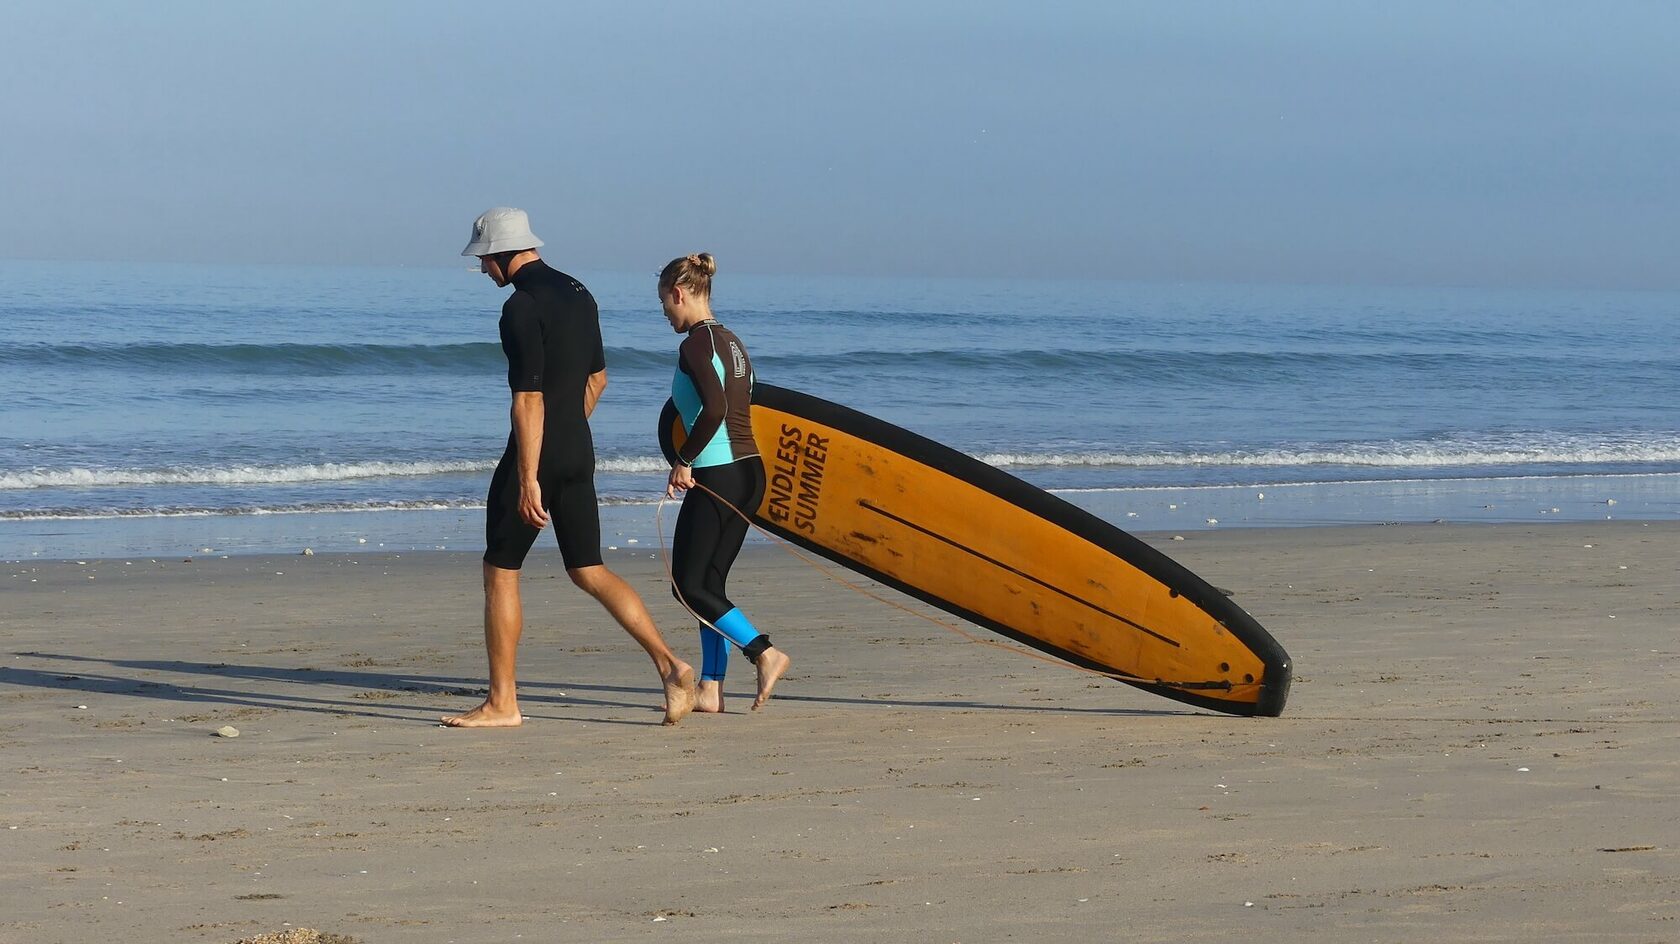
<point x="1481" y="746"/>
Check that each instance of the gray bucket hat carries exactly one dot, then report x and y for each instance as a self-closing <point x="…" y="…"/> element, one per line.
<point x="501" y="229"/>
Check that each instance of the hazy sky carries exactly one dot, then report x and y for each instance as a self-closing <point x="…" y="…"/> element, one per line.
<point x="1516" y="143"/>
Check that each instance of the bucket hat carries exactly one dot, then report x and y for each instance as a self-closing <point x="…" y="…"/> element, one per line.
<point x="501" y="229"/>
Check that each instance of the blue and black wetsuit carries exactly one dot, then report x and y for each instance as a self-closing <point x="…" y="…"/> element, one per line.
<point x="712" y="389"/>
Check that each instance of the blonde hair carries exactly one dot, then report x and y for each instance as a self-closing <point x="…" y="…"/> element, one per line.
<point x="694" y="272"/>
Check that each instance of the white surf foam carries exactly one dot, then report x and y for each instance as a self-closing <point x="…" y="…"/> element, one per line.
<point x="1390" y="456"/>
<point x="231" y="475"/>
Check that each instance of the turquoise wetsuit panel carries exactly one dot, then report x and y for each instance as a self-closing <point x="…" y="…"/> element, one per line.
<point x="689" y="403"/>
<point x="712" y="390"/>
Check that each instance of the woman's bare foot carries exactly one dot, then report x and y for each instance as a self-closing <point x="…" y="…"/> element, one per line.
<point x="710" y="697"/>
<point x="679" y="693"/>
<point x="772" y="665"/>
<point x="486" y="716"/>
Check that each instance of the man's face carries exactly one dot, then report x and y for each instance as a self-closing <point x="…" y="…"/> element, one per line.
<point x="489" y="266"/>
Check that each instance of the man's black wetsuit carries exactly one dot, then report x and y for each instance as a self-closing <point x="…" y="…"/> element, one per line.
<point x="551" y="333"/>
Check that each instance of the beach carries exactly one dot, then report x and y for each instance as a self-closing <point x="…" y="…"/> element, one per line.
<point x="1479" y="746"/>
<point x="1385" y="369"/>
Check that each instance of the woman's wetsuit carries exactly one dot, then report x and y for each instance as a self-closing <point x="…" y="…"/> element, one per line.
<point x="712" y="389"/>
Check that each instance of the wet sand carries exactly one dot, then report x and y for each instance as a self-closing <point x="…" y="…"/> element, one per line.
<point x="1481" y="745"/>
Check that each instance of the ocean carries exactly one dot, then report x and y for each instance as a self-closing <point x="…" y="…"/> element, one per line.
<point x="178" y="409"/>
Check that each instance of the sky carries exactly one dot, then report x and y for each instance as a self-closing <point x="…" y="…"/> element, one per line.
<point x="1530" y="144"/>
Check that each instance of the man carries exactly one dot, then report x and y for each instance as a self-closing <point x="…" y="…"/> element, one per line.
<point x="551" y="334"/>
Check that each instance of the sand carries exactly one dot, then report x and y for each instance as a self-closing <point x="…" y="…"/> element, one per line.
<point x="1481" y="746"/>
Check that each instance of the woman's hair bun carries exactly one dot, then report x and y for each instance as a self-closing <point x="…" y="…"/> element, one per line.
<point x="694" y="270"/>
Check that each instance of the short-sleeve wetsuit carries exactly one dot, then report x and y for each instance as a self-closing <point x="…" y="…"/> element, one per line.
<point x="551" y="333"/>
<point x="712" y="389"/>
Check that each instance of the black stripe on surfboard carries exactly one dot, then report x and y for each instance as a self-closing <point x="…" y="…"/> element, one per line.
<point x="1017" y="572"/>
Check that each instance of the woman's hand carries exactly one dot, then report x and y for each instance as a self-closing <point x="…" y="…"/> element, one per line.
<point x="682" y="479"/>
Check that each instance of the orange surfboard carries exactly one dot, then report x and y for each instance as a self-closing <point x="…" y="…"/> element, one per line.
<point x="985" y="546"/>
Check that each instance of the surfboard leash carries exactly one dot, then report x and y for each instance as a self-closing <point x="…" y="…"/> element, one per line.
<point x="787" y="548"/>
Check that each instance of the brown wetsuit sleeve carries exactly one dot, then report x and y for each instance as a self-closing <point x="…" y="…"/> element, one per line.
<point x="696" y="355"/>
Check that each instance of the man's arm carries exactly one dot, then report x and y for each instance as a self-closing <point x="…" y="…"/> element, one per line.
<point x="528" y="431"/>
<point x="592" y="388"/>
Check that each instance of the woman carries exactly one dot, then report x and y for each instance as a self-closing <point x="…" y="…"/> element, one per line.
<point x="713" y="392"/>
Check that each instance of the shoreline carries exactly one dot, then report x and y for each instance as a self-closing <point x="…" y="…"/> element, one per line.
<point x="1646" y="497"/>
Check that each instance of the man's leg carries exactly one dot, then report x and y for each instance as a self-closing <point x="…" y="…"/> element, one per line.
<point x="504" y="620"/>
<point x="626" y="606"/>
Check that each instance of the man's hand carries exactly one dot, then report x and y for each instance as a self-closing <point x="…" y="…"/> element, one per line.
<point x="528" y="430"/>
<point x="682" y="479"/>
<point x="531" y="505"/>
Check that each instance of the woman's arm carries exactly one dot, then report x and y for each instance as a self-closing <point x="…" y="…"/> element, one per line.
<point x="696" y="353"/>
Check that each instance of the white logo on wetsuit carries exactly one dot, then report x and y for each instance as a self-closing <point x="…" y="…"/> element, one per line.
<point x="740" y="360"/>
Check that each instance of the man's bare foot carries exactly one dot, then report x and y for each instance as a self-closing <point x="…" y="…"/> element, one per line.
<point x="710" y="697"/>
<point x="485" y="716"/>
<point x="679" y="693"/>
<point x="772" y="665"/>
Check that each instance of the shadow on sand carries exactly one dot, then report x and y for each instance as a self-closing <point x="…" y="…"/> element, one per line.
<point x="386" y="690"/>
